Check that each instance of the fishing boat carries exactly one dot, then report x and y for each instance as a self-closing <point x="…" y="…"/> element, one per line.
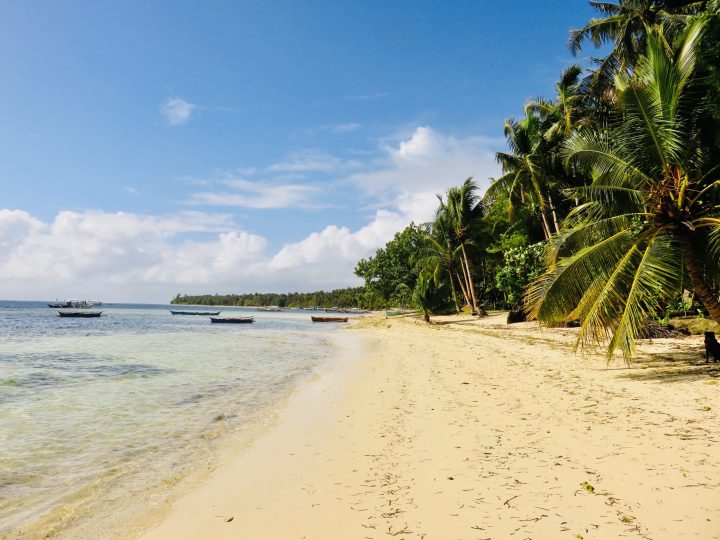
<point x="80" y="314"/>
<point x="329" y="319"/>
<point x="232" y="320"/>
<point x="193" y="312"/>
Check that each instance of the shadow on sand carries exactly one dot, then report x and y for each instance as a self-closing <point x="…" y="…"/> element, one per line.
<point x="688" y="365"/>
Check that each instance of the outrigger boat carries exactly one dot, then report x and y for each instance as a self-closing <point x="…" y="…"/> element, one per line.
<point x="232" y="320"/>
<point x="81" y="314"/>
<point x="191" y="312"/>
<point x="329" y="319"/>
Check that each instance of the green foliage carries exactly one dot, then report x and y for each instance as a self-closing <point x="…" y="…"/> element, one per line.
<point x="391" y="274"/>
<point x="522" y="264"/>
<point x="651" y="211"/>
<point x="343" y="298"/>
<point x="430" y="297"/>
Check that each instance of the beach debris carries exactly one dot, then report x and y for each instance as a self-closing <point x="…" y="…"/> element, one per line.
<point x="587" y="487"/>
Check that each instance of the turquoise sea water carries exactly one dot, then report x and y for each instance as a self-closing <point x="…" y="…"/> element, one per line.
<point x="122" y="410"/>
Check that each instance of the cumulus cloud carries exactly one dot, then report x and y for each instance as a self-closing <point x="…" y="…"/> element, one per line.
<point x="428" y="161"/>
<point x="177" y="111"/>
<point x="129" y="256"/>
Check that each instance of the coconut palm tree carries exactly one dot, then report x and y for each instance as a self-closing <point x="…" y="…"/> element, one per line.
<point x="624" y="25"/>
<point x="462" y="212"/>
<point x="441" y="258"/>
<point x="525" y="177"/>
<point x="562" y="115"/>
<point x="651" y="214"/>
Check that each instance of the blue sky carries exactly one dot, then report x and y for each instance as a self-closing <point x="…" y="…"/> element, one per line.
<point x="247" y="145"/>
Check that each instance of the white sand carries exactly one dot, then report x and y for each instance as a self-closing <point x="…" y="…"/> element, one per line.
<point x="477" y="430"/>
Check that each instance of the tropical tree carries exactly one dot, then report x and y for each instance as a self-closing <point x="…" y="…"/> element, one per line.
<point x="651" y="213"/>
<point x="430" y="297"/>
<point x="462" y="211"/>
<point x="563" y="114"/>
<point x="625" y="24"/>
<point x="525" y="177"/>
<point x="442" y="256"/>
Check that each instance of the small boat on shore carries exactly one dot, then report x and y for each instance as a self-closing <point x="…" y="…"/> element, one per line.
<point x="232" y="320"/>
<point x="193" y="312"/>
<point x="329" y="319"/>
<point x="80" y="314"/>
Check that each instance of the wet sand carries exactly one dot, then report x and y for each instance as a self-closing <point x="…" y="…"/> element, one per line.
<point x="478" y="430"/>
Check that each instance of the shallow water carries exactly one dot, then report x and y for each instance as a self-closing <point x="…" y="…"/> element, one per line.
<point x="122" y="408"/>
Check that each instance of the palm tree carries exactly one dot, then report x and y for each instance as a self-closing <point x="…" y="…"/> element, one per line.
<point x="526" y="180"/>
<point x="463" y="211"/>
<point x="650" y="215"/>
<point x="422" y="295"/>
<point x="441" y="257"/>
<point x="566" y="112"/>
<point x="624" y="25"/>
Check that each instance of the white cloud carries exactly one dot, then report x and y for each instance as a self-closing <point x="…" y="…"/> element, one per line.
<point x="263" y="195"/>
<point x="132" y="190"/>
<point x="177" y="111"/>
<point x="345" y="128"/>
<point x="367" y="97"/>
<point x="308" y="161"/>
<point x="127" y="256"/>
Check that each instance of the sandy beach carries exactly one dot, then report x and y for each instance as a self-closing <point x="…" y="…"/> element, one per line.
<point x="471" y="429"/>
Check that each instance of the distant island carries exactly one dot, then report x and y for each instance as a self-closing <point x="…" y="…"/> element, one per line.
<point x="352" y="297"/>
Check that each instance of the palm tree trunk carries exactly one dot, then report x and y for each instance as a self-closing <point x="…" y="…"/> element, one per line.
<point x="708" y="297"/>
<point x="554" y="215"/>
<point x="452" y="288"/>
<point x="462" y="288"/>
<point x="478" y="311"/>
<point x="546" y="224"/>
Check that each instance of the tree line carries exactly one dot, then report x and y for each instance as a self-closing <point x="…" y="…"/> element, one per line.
<point x="351" y="297"/>
<point x="607" y="211"/>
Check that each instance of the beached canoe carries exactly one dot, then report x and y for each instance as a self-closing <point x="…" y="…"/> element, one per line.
<point x="231" y="320"/>
<point x="329" y="319"/>
<point x="191" y="312"/>
<point x="81" y="314"/>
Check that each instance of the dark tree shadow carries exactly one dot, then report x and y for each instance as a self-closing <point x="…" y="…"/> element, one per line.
<point x="678" y="366"/>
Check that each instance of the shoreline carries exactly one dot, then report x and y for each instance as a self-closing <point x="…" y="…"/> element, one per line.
<point x="115" y="505"/>
<point x="473" y="429"/>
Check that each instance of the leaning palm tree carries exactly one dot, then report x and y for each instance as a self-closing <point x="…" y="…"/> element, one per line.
<point x="463" y="211"/>
<point x="624" y="25"/>
<point x="651" y="214"/>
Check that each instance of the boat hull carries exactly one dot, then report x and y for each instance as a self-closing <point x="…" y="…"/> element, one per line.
<point x="232" y="320"/>
<point x="205" y="313"/>
<point x="80" y="314"/>
<point x="329" y="319"/>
